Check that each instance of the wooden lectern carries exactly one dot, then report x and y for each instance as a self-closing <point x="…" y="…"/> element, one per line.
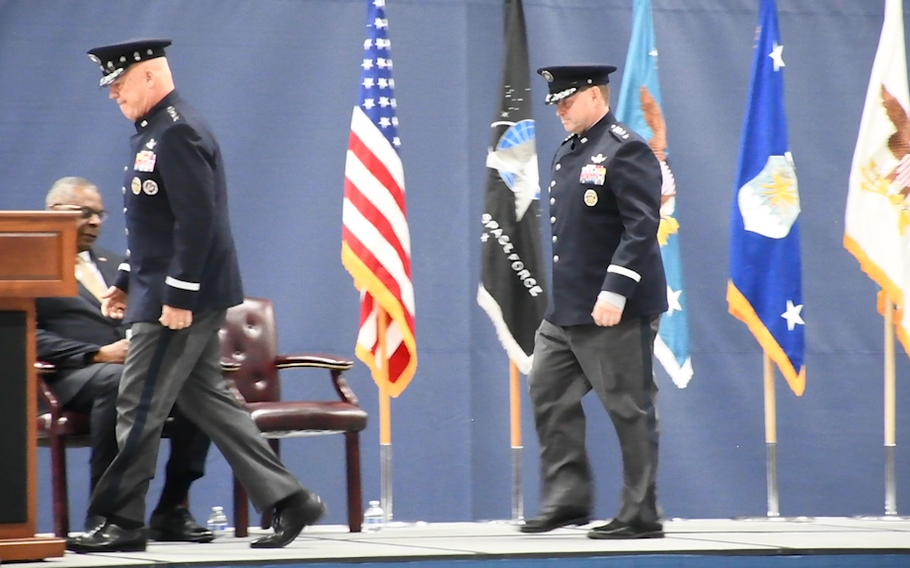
<point x="37" y="257"/>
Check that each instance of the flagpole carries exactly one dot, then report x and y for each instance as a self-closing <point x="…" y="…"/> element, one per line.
<point x="518" y="513"/>
<point x="770" y="435"/>
<point x="890" y="489"/>
<point x="385" y="425"/>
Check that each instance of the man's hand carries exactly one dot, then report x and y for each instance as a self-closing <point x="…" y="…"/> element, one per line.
<point x="606" y="314"/>
<point x="113" y="303"/>
<point x="175" y="318"/>
<point x="112" y="352"/>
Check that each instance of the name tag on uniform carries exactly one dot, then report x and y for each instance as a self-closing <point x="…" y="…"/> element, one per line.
<point x="593" y="174"/>
<point x="145" y="161"/>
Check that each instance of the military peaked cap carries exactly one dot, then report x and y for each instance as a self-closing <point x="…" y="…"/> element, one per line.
<point x="565" y="80"/>
<point x="115" y="59"/>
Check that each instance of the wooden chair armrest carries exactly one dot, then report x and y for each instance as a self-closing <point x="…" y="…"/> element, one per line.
<point x="335" y="364"/>
<point x="45" y="394"/>
<point x="44" y="367"/>
<point x="344" y="389"/>
<point x="315" y="360"/>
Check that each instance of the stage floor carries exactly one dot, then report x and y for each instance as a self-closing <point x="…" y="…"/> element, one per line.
<point x="453" y="543"/>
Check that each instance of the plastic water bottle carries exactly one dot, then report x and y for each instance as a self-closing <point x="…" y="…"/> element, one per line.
<point x="217" y="522"/>
<point x="372" y="517"/>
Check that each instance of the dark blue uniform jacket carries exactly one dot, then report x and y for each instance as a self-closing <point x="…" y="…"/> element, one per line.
<point x="604" y="214"/>
<point x="181" y="252"/>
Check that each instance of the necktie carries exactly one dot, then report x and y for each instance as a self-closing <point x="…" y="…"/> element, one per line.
<point x="89" y="278"/>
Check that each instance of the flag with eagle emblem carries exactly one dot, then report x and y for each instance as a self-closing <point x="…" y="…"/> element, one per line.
<point x="639" y="108"/>
<point x="878" y="209"/>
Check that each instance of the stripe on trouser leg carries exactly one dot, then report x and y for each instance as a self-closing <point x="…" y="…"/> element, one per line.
<point x="142" y="410"/>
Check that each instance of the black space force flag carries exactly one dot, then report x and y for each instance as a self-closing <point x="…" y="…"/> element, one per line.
<point x="512" y="288"/>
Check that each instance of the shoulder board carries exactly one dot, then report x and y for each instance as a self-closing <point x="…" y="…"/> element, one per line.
<point x="619" y="132"/>
<point x="172" y="112"/>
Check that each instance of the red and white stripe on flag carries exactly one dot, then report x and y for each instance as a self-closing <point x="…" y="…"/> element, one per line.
<point x="376" y="250"/>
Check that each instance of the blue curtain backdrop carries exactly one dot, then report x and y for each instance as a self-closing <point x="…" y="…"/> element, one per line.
<point x="277" y="80"/>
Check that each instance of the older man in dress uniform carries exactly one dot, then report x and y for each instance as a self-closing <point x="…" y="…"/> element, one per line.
<point x="174" y="289"/>
<point x="607" y="296"/>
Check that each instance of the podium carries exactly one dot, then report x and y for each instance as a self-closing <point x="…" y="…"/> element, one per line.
<point x="37" y="257"/>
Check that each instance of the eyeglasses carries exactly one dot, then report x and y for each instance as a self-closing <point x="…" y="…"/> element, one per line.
<point x="87" y="211"/>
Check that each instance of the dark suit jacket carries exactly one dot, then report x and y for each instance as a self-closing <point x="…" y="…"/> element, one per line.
<point x="71" y="328"/>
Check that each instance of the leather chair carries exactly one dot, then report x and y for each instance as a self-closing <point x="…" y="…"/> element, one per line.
<point x="250" y="359"/>
<point x="59" y="429"/>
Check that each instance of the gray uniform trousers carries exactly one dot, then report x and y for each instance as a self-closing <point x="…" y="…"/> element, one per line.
<point x="165" y="367"/>
<point x="616" y="362"/>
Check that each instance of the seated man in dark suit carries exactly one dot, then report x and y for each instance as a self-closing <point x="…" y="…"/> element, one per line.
<point x="88" y="350"/>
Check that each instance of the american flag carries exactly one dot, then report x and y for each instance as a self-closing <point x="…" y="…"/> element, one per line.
<point x="376" y="243"/>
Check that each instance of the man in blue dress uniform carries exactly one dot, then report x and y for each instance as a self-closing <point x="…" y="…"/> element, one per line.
<point x="607" y="296"/>
<point x="180" y="278"/>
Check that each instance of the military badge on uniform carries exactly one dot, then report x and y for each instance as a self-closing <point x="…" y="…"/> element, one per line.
<point x="150" y="187"/>
<point x="145" y="161"/>
<point x="151" y="144"/>
<point x="590" y="198"/>
<point x="598" y="159"/>
<point x="593" y="174"/>
<point x="136" y="186"/>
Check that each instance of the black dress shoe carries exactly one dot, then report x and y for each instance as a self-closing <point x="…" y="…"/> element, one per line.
<point x="616" y="529"/>
<point x="109" y="537"/>
<point x="291" y="515"/>
<point x="177" y="525"/>
<point x="554" y="519"/>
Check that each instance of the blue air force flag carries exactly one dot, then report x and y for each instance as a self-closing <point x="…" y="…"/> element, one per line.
<point x="639" y="108"/>
<point x="512" y="287"/>
<point x="765" y="286"/>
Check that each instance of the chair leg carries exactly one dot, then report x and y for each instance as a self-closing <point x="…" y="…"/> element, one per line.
<point x="355" y="498"/>
<point x="266" y="520"/>
<point x="241" y="511"/>
<point x="59" y="491"/>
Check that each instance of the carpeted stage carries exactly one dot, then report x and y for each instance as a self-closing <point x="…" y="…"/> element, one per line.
<point x="707" y="543"/>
